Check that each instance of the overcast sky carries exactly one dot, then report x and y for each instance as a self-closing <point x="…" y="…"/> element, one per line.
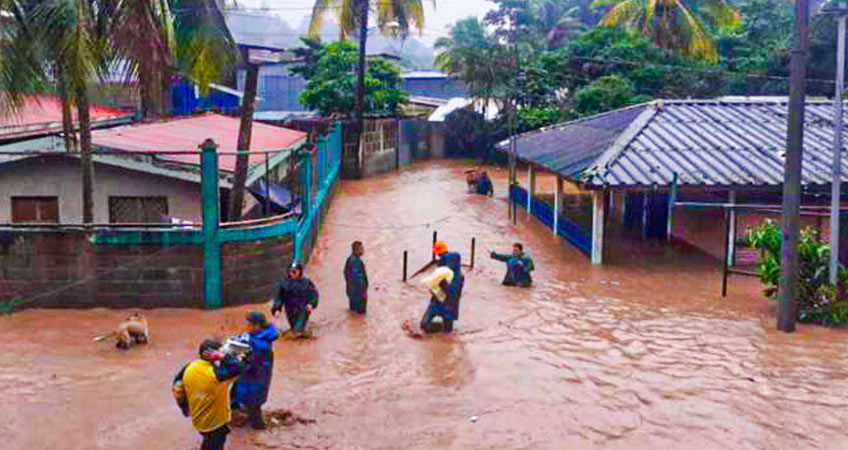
<point x="436" y="20"/>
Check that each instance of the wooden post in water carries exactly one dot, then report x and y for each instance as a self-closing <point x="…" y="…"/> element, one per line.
<point x="404" y="265"/>
<point x="473" y="241"/>
<point x="435" y="237"/>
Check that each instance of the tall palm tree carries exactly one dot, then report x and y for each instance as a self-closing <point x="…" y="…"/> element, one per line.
<point x="75" y="36"/>
<point x="673" y="24"/>
<point x="143" y="33"/>
<point x="393" y="17"/>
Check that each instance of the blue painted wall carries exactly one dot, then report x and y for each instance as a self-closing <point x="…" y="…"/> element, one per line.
<point x="185" y="100"/>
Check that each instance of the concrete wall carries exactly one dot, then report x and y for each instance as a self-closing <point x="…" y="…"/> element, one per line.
<point x="65" y="269"/>
<point x="59" y="176"/>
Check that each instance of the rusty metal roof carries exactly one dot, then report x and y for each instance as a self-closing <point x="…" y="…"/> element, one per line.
<point x="186" y="134"/>
<point x="42" y="115"/>
<point x="736" y="142"/>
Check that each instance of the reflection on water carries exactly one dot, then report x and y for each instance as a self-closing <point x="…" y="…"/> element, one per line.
<point x="641" y="353"/>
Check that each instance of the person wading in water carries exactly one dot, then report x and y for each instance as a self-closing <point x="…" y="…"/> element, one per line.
<point x="356" y="279"/>
<point x="518" y="266"/>
<point x="202" y="388"/>
<point x="251" y="390"/>
<point x="448" y="309"/>
<point x="298" y="296"/>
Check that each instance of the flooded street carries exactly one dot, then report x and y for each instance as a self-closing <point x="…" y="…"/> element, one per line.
<point x="638" y="354"/>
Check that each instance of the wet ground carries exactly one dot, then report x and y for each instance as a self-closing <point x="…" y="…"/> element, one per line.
<point x="639" y="354"/>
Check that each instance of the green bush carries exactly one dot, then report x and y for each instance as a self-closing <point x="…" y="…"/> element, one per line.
<point x="818" y="301"/>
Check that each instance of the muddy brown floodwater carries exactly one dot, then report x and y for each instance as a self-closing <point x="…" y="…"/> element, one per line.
<point x="639" y="354"/>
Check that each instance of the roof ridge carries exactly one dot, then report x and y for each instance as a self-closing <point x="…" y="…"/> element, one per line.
<point x="579" y="120"/>
<point x="610" y="155"/>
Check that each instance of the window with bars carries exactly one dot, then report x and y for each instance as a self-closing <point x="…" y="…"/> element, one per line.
<point x="35" y="209"/>
<point x="137" y="209"/>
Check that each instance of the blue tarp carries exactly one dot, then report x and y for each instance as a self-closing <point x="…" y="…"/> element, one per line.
<point x="281" y="197"/>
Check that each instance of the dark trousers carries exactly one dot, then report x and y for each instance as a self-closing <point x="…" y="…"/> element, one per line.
<point x="215" y="439"/>
<point x="254" y="416"/>
<point x="435" y="309"/>
<point x="297" y="317"/>
<point x="357" y="303"/>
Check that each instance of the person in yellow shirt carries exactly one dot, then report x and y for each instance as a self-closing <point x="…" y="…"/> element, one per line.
<point x="205" y="388"/>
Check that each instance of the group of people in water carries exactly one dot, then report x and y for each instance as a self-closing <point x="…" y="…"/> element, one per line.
<point x="220" y="381"/>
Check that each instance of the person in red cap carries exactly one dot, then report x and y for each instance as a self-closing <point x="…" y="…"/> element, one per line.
<point x="448" y="309"/>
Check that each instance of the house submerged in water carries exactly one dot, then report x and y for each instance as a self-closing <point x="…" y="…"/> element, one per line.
<point x="695" y="171"/>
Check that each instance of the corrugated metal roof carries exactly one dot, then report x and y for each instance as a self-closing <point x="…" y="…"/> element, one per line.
<point x="708" y="143"/>
<point x="186" y="134"/>
<point x="573" y="147"/>
<point x="39" y="115"/>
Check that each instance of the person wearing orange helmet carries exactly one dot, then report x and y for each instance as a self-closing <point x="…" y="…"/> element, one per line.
<point x="447" y="309"/>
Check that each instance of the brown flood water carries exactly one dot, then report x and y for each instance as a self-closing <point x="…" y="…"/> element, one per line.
<point x="638" y="354"/>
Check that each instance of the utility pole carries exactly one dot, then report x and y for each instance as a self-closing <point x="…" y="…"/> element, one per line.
<point x="513" y="159"/>
<point x="788" y="287"/>
<point x="836" y="188"/>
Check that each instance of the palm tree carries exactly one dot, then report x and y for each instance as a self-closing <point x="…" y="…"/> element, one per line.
<point x="393" y="17"/>
<point x="673" y="24"/>
<point x="560" y="19"/>
<point x="74" y="35"/>
<point x="471" y="54"/>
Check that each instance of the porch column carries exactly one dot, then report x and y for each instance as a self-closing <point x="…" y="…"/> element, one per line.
<point x="597" y="226"/>
<point x="672" y="197"/>
<point x="531" y="186"/>
<point x="644" y="213"/>
<point x="731" y="241"/>
<point x="557" y="192"/>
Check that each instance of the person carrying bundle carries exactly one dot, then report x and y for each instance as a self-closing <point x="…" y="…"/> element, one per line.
<point x="445" y="284"/>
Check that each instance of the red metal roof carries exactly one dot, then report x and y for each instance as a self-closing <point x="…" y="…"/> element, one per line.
<point x="43" y="115"/>
<point x="186" y="134"/>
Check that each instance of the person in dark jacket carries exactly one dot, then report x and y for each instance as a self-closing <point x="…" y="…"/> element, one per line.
<point x="356" y="279"/>
<point x="518" y="266"/>
<point x="449" y="309"/>
<point x="251" y="390"/>
<point x="298" y="296"/>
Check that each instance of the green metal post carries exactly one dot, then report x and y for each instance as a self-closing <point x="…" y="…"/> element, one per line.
<point x="306" y="205"/>
<point x="322" y="162"/>
<point x="211" y="218"/>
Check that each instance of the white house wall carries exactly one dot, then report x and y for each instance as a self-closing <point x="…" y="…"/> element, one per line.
<point x="60" y="177"/>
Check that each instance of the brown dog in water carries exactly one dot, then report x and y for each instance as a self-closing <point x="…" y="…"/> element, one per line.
<point x="130" y="332"/>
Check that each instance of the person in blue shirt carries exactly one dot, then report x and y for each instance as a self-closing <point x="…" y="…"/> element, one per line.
<point x="251" y="390"/>
<point x="448" y="310"/>
<point x="518" y="266"/>
<point x="484" y="184"/>
<point x="356" y="279"/>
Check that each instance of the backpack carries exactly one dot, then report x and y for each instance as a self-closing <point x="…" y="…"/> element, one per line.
<point x="179" y="392"/>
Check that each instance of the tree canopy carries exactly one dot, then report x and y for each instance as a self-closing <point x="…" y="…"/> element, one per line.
<point x="330" y="87"/>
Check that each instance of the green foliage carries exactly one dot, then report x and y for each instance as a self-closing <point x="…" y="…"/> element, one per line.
<point x="531" y="119"/>
<point x="818" y="301"/>
<point x="608" y="93"/>
<point x="308" y="55"/>
<point x="330" y="89"/>
<point x="674" y="24"/>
